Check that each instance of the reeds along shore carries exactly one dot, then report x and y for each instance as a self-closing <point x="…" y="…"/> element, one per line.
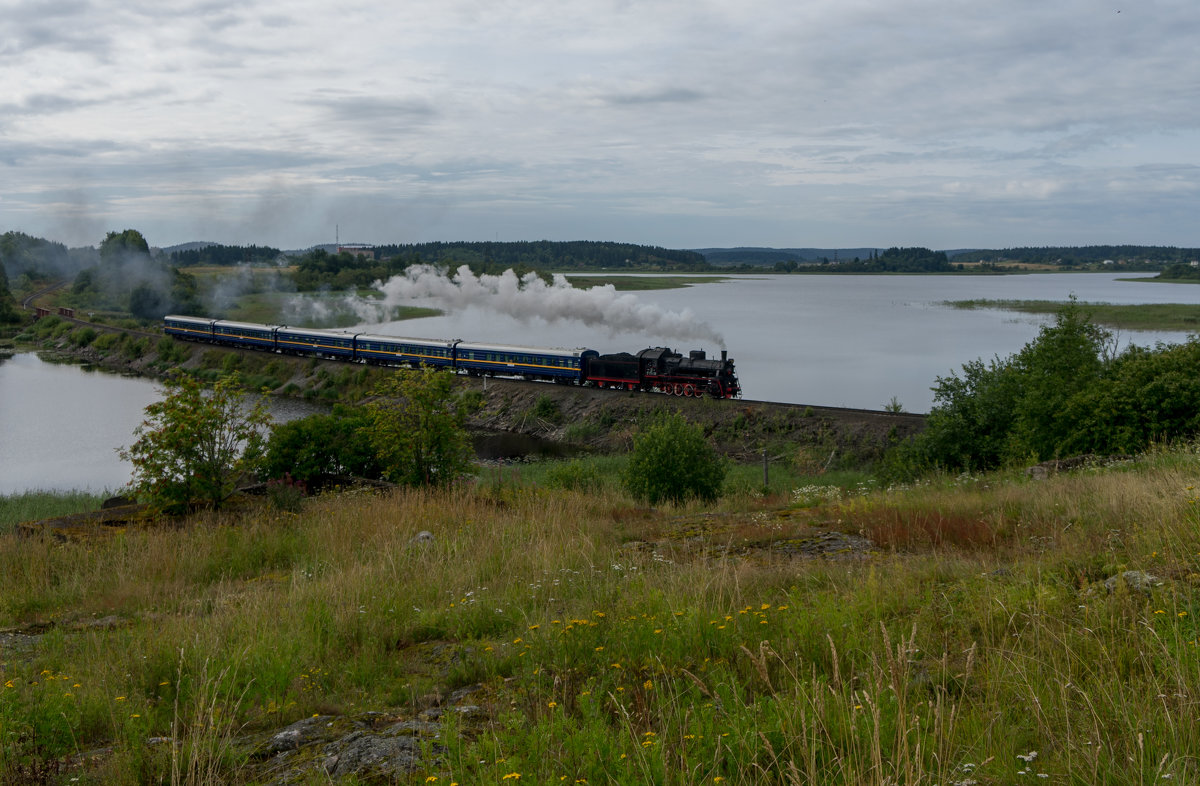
<point x="976" y="643"/>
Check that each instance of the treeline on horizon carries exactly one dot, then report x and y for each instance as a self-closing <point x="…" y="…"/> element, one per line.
<point x="1082" y="256"/>
<point x="125" y="263"/>
<point x="924" y="260"/>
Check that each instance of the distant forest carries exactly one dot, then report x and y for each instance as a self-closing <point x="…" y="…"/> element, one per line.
<point x="218" y="254"/>
<point x="1141" y="257"/>
<point x="893" y="260"/>
<point x="548" y="255"/>
<point x="319" y="268"/>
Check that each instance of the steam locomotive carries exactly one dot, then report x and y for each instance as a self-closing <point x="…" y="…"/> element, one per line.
<point x="655" y="369"/>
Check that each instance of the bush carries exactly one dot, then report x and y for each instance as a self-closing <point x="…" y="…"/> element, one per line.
<point x="333" y="444"/>
<point x="672" y="462"/>
<point x="1063" y="394"/>
<point x="546" y="408"/>
<point x="195" y="444"/>
<point x="108" y="341"/>
<point x="135" y="348"/>
<point x="172" y="352"/>
<point x="418" y="428"/>
<point x="574" y="475"/>
<point x="83" y="336"/>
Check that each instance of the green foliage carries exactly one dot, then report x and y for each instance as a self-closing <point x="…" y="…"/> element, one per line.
<point x="218" y="254"/>
<point x="326" y="444"/>
<point x="1180" y="272"/>
<point x="545" y="255"/>
<point x="1147" y="396"/>
<point x="24" y="255"/>
<point x="418" y="428"/>
<point x="893" y="260"/>
<point x="1013" y="408"/>
<point x="546" y="408"/>
<point x="672" y="462"/>
<point x="135" y="348"/>
<point x="118" y="244"/>
<point x="1125" y="257"/>
<point x="575" y="475"/>
<point x="32" y="505"/>
<point x="195" y="445"/>
<point x="8" y="311"/>
<point x="83" y="336"/>
<point x="38" y="715"/>
<point x="108" y="341"/>
<point x="1063" y="394"/>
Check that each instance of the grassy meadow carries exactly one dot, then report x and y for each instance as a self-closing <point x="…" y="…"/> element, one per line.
<point x="975" y="644"/>
<point x="1183" y="317"/>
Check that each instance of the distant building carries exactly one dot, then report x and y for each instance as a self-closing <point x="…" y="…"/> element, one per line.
<point x="358" y="249"/>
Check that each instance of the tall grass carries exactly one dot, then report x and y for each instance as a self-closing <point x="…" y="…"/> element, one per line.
<point x="35" y="505"/>
<point x="979" y="644"/>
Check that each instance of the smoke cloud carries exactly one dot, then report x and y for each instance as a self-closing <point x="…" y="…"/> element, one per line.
<point x="530" y="297"/>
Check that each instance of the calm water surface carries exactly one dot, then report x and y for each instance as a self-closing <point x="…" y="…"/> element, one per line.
<point x="854" y="341"/>
<point x="61" y="425"/>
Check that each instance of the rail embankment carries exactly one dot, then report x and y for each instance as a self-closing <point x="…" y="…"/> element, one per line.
<point x="600" y="420"/>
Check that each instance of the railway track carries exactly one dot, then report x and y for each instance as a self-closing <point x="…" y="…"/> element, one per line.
<point x="30" y="304"/>
<point x="906" y="418"/>
<point x="915" y="417"/>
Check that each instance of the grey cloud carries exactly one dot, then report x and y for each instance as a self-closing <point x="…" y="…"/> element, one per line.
<point x="666" y="95"/>
<point x="349" y="107"/>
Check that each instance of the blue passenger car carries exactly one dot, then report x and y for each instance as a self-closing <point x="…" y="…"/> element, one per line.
<point x="244" y="334"/>
<point x="563" y="365"/>
<point x="191" y="328"/>
<point x="397" y="350"/>
<point x="308" y="341"/>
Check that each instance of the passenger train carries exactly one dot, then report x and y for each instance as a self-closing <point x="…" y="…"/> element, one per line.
<point x="655" y="369"/>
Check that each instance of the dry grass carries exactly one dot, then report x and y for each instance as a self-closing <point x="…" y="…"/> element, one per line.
<point x="982" y="646"/>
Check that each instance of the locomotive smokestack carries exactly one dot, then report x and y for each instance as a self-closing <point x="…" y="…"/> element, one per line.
<point x="724" y="355"/>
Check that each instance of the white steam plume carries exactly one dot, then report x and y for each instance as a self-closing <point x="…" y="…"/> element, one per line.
<point x="530" y="297"/>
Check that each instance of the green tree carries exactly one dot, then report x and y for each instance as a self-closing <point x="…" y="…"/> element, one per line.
<point x="337" y="443"/>
<point x="117" y="245"/>
<point x="196" y="444"/>
<point x="8" y="312"/>
<point x="1018" y="407"/>
<point x="1146" y="396"/>
<point x="672" y="462"/>
<point x="418" y="428"/>
<point x="147" y="303"/>
<point x="1064" y="360"/>
<point x="1063" y="394"/>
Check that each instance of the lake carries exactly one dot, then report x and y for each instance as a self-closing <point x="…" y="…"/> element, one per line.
<point x="834" y="340"/>
<point x="855" y="341"/>
<point x="62" y="424"/>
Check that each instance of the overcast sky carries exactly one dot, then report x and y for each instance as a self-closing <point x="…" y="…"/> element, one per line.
<point x="787" y="123"/>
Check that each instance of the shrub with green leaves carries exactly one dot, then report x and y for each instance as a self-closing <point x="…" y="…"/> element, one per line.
<point x="337" y="443"/>
<point x="419" y="429"/>
<point x="574" y="475"/>
<point x="1065" y="393"/>
<point x="196" y="444"/>
<point x="672" y="462"/>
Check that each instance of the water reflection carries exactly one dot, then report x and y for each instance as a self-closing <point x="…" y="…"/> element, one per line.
<point x="62" y="424"/>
